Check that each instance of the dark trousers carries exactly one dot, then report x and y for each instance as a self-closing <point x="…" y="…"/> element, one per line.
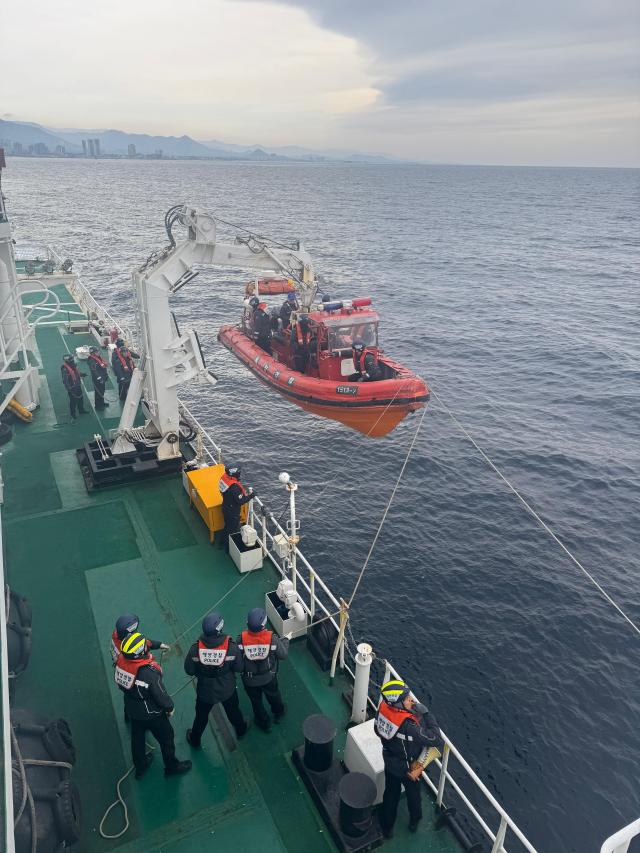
<point x="232" y="710"/>
<point x="273" y="697"/>
<point x="231" y="525"/>
<point x="76" y="401"/>
<point x="162" y="730"/>
<point x="389" y="810"/>
<point x="98" y="388"/>
<point x="123" y="387"/>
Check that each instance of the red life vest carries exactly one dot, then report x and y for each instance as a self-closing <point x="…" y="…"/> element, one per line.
<point x="125" y="361"/>
<point x="301" y="337"/>
<point x="98" y="360"/>
<point x="390" y="719"/>
<point x="257" y="644"/>
<point x="359" y="359"/>
<point x="226" y="481"/>
<point x="126" y="670"/>
<point x="73" y="372"/>
<point x="213" y="657"/>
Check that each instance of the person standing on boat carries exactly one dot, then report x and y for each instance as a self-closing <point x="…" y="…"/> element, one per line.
<point x="234" y="496"/>
<point x="214" y="659"/>
<point x="123" y="367"/>
<point x="407" y="730"/>
<point x="365" y="361"/>
<point x="125" y="625"/>
<point x="289" y="306"/>
<point x="147" y="704"/>
<point x="72" y="381"/>
<point x="300" y="337"/>
<point x="261" y="652"/>
<point x="99" y="373"/>
<point x="262" y="326"/>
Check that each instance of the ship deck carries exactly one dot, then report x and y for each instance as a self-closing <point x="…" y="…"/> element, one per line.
<point x="82" y="559"/>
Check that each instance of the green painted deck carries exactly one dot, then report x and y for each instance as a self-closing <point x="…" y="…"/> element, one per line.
<point x="82" y="559"/>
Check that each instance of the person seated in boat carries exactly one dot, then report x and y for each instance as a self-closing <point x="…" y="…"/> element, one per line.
<point x="289" y="306"/>
<point x="262" y="327"/>
<point x="300" y="338"/>
<point x="365" y="361"/>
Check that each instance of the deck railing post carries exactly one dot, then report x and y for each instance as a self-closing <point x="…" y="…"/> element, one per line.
<point x="312" y="595"/>
<point x="363" y="660"/>
<point x="502" y="831"/>
<point x="442" y="781"/>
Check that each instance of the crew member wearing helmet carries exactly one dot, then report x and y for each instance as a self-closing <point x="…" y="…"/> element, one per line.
<point x="234" y="495"/>
<point x="261" y="652"/>
<point x="72" y="381"/>
<point x="99" y="373"/>
<point x="290" y="305"/>
<point x="127" y="624"/>
<point x="123" y="367"/>
<point x="214" y="659"/>
<point x="365" y="361"/>
<point x="147" y="704"/>
<point x="405" y="728"/>
<point x="262" y="326"/>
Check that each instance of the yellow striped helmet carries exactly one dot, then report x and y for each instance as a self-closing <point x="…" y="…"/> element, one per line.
<point x="395" y="691"/>
<point x="134" y="645"/>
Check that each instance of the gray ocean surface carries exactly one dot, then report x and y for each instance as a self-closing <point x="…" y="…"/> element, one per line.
<point x="514" y="293"/>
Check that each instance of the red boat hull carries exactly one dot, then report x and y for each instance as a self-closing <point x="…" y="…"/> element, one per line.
<point x="372" y="408"/>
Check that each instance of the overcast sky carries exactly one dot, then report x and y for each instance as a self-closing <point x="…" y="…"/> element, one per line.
<point x="476" y="81"/>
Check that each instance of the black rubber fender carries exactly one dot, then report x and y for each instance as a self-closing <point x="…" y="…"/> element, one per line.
<point x="6" y="433"/>
<point x="59" y="742"/>
<point x="18" y="632"/>
<point x="68" y="812"/>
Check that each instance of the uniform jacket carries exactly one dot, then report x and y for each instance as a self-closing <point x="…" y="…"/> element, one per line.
<point x="147" y="698"/>
<point x="412" y="735"/>
<point x="216" y="681"/>
<point x="257" y="673"/>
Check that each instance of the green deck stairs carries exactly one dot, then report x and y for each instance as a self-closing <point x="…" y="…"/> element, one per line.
<point x="82" y="559"/>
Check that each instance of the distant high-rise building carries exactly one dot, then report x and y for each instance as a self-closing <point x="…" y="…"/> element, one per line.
<point x="40" y="148"/>
<point x="131" y="150"/>
<point x="17" y="147"/>
<point x="158" y="153"/>
<point x="60" y="149"/>
<point x="84" y="147"/>
<point x="96" y="145"/>
<point x="91" y="148"/>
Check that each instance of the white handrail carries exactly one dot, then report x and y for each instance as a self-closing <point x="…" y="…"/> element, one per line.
<point x="9" y="839"/>
<point x="619" y="842"/>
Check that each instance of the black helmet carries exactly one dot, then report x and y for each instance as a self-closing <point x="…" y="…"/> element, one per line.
<point x="232" y="471"/>
<point x="119" y="343"/>
<point x="127" y="624"/>
<point x="94" y="349"/>
<point x="254" y="302"/>
<point x="357" y="343"/>
<point x="134" y="646"/>
<point x="69" y="359"/>
<point x="256" y="619"/>
<point x="212" y="623"/>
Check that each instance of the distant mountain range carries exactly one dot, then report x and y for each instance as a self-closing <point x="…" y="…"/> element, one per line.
<point x="17" y="137"/>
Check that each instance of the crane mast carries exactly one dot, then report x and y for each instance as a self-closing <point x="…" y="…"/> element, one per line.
<point x="168" y="356"/>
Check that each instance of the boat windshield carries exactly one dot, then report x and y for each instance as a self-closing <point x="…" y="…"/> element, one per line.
<point x="341" y="337"/>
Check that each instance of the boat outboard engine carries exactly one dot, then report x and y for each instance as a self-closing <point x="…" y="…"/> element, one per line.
<point x="18" y="612"/>
<point x="46" y="802"/>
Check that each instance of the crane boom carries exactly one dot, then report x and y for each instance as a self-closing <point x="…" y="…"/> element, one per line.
<point x="169" y="357"/>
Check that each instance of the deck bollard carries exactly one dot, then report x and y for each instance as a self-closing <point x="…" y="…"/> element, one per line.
<point x="361" y="684"/>
<point x="319" y="733"/>
<point x="357" y="794"/>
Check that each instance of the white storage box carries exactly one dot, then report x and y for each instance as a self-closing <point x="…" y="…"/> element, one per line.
<point x="278" y="616"/>
<point x="246" y="559"/>
<point x="363" y="754"/>
<point x="281" y="545"/>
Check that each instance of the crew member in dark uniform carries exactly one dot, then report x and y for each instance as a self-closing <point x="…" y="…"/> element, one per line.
<point x="126" y="625"/>
<point x="300" y="344"/>
<point x="99" y="373"/>
<point x="214" y="659"/>
<point x="407" y="730"/>
<point x="262" y="326"/>
<point x="147" y="704"/>
<point x="123" y="366"/>
<point x="290" y="305"/>
<point x="261" y="652"/>
<point x="72" y="381"/>
<point x="365" y="361"/>
<point x="234" y="495"/>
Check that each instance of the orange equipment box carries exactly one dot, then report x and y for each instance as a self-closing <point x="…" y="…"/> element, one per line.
<point x="204" y="494"/>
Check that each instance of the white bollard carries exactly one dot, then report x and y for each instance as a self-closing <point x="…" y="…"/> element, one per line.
<point x="361" y="683"/>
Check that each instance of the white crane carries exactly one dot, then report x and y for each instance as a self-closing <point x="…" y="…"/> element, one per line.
<point x="169" y="357"/>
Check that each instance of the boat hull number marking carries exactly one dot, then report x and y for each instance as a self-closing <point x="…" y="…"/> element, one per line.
<point x="351" y="390"/>
<point x="291" y="380"/>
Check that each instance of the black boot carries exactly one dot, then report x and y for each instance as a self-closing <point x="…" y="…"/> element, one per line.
<point x="140" y="771"/>
<point x="191" y="742"/>
<point x="178" y="768"/>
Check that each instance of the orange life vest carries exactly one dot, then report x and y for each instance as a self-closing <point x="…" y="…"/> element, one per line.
<point x="390" y="719"/>
<point x="126" y="362"/>
<point x="359" y="359"/>
<point x="226" y="482"/>
<point x="73" y="372"/>
<point x="301" y="337"/>
<point x="257" y="644"/>
<point x="98" y="360"/>
<point x="213" y="657"/>
<point x="126" y="671"/>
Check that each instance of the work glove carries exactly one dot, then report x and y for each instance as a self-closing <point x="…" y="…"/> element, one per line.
<point x="165" y="647"/>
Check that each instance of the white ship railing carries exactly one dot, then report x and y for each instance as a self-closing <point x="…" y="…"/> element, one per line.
<point x="319" y="602"/>
<point x="619" y="842"/>
<point x="7" y="784"/>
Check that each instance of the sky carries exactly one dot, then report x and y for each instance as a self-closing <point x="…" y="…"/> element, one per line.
<point x="555" y="82"/>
